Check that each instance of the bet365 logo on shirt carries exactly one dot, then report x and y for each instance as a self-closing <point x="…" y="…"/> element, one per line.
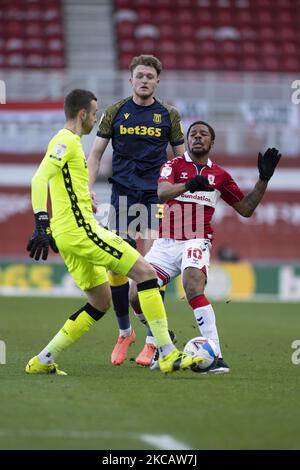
<point x="141" y="130"/>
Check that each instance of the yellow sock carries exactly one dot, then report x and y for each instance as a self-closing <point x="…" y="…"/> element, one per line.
<point x="74" y="329"/>
<point x="117" y="280"/>
<point x="71" y="331"/>
<point x="76" y="326"/>
<point x="153" y="308"/>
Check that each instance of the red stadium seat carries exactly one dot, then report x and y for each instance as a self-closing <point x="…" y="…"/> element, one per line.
<point x="35" y="60"/>
<point x="33" y="12"/>
<point x="187" y="46"/>
<point x="210" y="63"/>
<point x="119" y="4"/>
<point x="229" y="46"/>
<point x="34" y="28"/>
<point x="258" y="35"/>
<point x="189" y="62"/>
<point x="165" y="16"/>
<point x="15" y="60"/>
<point x="230" y="62"/>
<point x="265" y="17"/>
<point x="164" y="3"/>
<point x="185" y="31"/>
<point x="244" y="17"/>
<point x="167" y="31"/>
<point x="208" y="46"/>
<point x="249" y="48"/>
<point x="286" y="17"/>
<point x="290" y="48"/>
<point x="26" y="27"/>
<point x="168" y="46"/>
<point x="290" y="64"/>
<point x="52" y="27"/>
<point x="287" y="34"/>
<point x="169" y="61"/>
<point x="36" y="44"/>
<point x="147" y="46"/>
<point x="2" y="59"/>
<point x="250" y="64"/>
<point x="127" y="45"/>
<point x="125" y="29"/>
<point x="185" y="15"/>
<point x="13" y="28"/>
<point x="267" y="33"/>
<point x="55" y="43"/>
<point x="224" y="17"/>
<point x="145" y="15"/>
<point x="52" y="10"/>
<point x="143" y="3"/>
<point x="270" y="64"/>
<point x="269" y="48"/>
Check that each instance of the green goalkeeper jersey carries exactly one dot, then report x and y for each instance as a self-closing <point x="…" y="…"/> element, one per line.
<point x="65" y="167"/>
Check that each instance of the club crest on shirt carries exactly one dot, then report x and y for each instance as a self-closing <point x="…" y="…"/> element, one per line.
<point x="157" y="118"/>
<point x="60" y="150"/>
<point x="211" y="179"/>
<point x="166" y="171"/>
<point x="126" y="115"/>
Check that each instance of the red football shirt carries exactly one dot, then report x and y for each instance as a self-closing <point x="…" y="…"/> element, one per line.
<point x="189" y="215"/>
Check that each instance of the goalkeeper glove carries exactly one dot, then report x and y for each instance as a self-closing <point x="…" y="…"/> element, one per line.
<point x="199" y="183"/>
<point x="41" y="238"/>
<point x="267" y="163"/>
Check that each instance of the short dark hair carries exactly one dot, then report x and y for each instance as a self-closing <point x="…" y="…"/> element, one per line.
<point x="76" y="100"/>
<point x="148" y="61"/>
<point x="211" y="130"/>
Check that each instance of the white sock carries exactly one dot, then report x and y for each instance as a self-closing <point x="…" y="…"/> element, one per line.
<point x="150" y="340"/>
<point x="166" y="349"/>
<point x="45" y="357"/>
<point x="126" y="332"/>
<point x="206" y="320"/>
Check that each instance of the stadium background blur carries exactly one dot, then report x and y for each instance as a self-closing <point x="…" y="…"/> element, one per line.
<point x="230" y="62"/>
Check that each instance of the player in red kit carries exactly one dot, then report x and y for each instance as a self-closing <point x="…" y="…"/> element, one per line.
<point x="190" y="187"/>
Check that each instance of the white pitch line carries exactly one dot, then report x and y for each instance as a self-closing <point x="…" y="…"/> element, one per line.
<point x="164" y="442"/>
<point x="158" y="441"/>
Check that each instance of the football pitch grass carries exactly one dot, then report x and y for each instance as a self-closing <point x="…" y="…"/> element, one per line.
<point x="100" y="406"/>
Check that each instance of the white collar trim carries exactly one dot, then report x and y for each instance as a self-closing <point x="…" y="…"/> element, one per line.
<point x="188" y="159"/>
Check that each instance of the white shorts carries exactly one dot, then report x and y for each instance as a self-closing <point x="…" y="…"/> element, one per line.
<point x="170" y="257"/>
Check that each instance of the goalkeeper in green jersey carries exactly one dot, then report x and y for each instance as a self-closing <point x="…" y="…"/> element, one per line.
<point x="87" y="249"/>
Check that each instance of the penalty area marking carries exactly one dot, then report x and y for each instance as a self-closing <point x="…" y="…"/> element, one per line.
<point x="158" y="441"/>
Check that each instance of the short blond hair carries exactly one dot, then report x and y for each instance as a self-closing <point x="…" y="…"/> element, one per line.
<point x="148" y="61"/>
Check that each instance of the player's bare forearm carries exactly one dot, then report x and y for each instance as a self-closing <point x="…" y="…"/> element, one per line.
<point x="93" y="166"/>
<point x="179" y="150"/>
<point x="248" y="204"/>
<point x="167" y="190"/>
<point x="94" y="159"/>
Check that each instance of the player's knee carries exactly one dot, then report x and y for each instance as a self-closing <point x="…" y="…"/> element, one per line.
<point x="149" y="272"/>
<point x="142" y="271"/>
<point x="102" y="304"/>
